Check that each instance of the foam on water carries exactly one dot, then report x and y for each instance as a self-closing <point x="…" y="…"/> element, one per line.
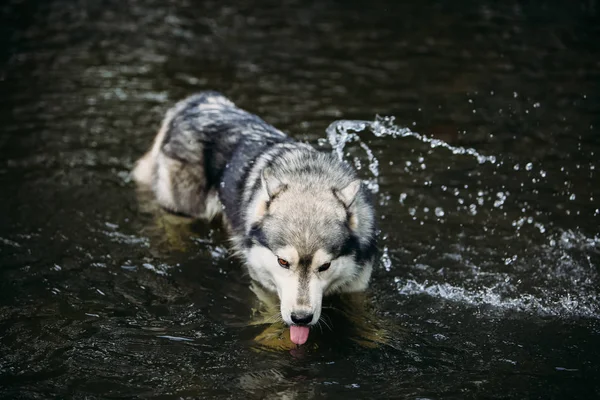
<point x="565" y="286"/>
<point x="123" y="238"/>
<point x="566" y="305"/>
<point x="160" y="269"/>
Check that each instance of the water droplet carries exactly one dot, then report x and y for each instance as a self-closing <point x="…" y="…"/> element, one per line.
<point x="510" y="260"/>
<point x="541" y="227"/>
<point x="385" y="260"/>
<point x="529" y="166"/>
<point x="501" y="199"/>
<point x="439" y="211"/>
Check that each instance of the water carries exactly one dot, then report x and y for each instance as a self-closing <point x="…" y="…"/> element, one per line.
<point x="474" y="125"/>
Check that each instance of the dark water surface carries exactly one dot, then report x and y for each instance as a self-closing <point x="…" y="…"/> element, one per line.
<point x="488" y="285"/>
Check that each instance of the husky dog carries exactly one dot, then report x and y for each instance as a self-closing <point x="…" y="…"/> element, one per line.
<point x="299" y="218"/>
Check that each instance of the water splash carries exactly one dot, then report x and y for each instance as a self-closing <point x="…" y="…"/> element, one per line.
<point x="552" y="281"/>
<point x="159" y="269"/>
<point x="342" y="132"/>
<point x="575" y="240"/>
<point x="565" y="305"/>
<point x="562" y="284"/>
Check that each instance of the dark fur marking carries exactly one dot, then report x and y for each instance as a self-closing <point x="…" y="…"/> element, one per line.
<point x="367" y="252"/>
<point x="305" y="261"/>
<point x="257" y="235"/>
<point x="304" y="280"/>
<point x="350" y="246"/>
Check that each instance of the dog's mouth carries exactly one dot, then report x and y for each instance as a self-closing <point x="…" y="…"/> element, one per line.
<point x="299" y="334"/>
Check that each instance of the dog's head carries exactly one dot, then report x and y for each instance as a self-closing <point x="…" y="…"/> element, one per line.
<point x="309" y="239"/>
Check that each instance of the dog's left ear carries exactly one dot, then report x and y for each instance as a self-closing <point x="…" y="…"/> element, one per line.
<point x="348" y="194"/>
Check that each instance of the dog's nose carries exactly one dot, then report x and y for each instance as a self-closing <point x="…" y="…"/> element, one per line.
<point x="301" y="318"/>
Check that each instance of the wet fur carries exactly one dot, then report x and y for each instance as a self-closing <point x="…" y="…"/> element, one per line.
<point x="276" y="196"/>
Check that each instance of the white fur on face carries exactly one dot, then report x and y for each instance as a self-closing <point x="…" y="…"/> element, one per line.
<point x="287" y="288"/>
<point x="340" y="277"/>
<point x="264" y="268"/>
<point x="289" y="254"/>
<point x="259" y="258"/>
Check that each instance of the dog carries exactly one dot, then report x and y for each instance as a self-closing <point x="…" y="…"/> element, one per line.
<point x="300" y="219"/>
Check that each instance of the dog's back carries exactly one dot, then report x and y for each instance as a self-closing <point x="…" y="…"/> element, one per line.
<point x="195" y="143"/>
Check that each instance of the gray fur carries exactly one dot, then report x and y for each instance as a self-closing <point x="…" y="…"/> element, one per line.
<point x="211" y="157"/>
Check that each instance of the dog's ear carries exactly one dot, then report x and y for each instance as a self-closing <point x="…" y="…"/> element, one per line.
<point x="348" y="194"/>
<point x="271" y="185"/>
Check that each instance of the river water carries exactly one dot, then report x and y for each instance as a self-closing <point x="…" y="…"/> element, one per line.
<point x="475" y="126"/>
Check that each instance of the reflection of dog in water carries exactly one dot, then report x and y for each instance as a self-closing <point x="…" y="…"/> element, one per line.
<point x="299" y="218"/>
<point x="346" y="317"/>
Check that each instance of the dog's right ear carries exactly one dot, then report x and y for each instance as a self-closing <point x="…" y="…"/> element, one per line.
<point x="271" y="185"/>
<point x="348" y="194"/>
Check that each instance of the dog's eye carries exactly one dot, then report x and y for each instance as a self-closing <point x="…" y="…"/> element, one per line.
<point x="283" y="262"/>
<point x="324" y="267"/>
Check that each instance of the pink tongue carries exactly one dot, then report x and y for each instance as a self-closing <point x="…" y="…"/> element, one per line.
<point x="299" y="334"/>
